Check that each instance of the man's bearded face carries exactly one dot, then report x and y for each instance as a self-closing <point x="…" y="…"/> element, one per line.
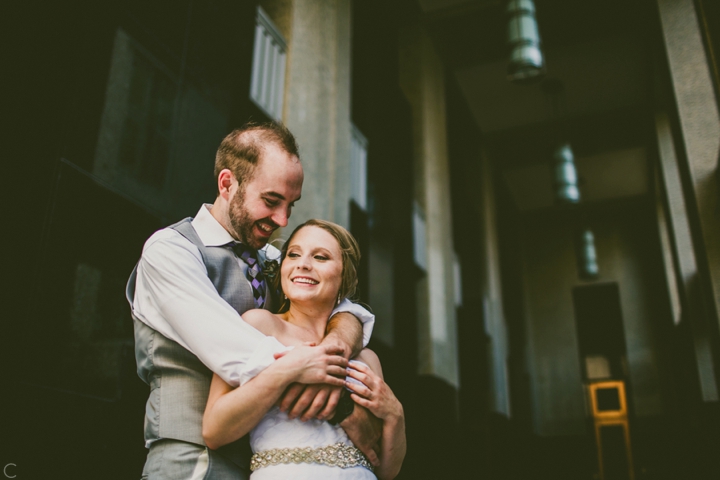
<point x="246" y="225"/>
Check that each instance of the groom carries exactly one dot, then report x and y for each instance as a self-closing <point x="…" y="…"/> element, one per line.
<point x="192" y="283"/>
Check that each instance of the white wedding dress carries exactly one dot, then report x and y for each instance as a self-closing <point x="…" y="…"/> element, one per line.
<point x="276" y="431"/>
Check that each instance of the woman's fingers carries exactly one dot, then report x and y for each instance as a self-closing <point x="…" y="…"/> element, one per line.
<point x="335" y="381"/>
<point x="336" y="371"/>
<point x="337" y="360"/>
<point x="359" y="389"/>
<point x="359" y="366"/>
<point x="360" y="377"/>
<point x="363" y="402"/>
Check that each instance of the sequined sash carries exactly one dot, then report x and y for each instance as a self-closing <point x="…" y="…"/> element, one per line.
<point x="338" y="455"/>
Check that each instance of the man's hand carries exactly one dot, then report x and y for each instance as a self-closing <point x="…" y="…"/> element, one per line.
<point x="344" y="331"/>
<point x="310" y="401"/>
<point x="364" y="429"/>
<point x="343" y="337"/>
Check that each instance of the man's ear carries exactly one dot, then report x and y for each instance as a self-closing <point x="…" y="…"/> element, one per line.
<point x="226" y="181"/>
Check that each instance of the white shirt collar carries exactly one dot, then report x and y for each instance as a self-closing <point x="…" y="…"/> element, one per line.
<point x="213" y="234"/>
<point x="210" y="231"/>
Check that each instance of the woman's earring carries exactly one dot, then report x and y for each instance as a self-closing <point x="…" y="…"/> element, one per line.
<point x="285" y="296"/>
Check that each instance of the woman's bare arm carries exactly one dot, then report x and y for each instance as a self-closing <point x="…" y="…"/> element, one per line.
<point x="378" y="398"/>
<point x="231" y="413"/>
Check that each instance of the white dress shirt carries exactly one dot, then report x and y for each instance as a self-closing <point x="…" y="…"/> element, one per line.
<point x="174" y="296"/>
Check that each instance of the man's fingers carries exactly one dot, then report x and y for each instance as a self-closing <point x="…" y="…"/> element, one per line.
<point x="290" y="395"/>
<point x="371" y="455"/>
<point x="331" y="404"/>
<point x="337" y="360"/>
<point x="304" y="401"/>
<point x="333" y="399"/>
<point x="334" y="349"/>
<point x="317" y="404"/>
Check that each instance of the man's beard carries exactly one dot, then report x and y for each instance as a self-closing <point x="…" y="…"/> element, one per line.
<point x="242" y="223"/>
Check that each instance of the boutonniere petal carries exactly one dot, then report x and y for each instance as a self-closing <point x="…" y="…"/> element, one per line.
<point x="270" y="269"/>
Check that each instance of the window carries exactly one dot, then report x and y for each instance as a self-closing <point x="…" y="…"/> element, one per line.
<point x="267" y="86"/>
<point x="358" y="168"/>
<point x="419" y="242"/>
<point x="457" y="277"/>
<point x="147" y="129"/>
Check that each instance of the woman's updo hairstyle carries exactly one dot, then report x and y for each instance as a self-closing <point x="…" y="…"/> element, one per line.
<point x="350" y="255"/>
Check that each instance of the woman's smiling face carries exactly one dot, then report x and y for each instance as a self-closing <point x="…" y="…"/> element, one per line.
<point x="312" y="267"/>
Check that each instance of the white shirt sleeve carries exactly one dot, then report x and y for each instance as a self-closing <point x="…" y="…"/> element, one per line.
<point x="174" y="295"/>
<point x="361" y="313"/>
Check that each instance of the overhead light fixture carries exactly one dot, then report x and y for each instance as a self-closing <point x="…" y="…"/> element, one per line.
<point x="587" y="255"/>
<point x="565" y="175"/>
<point x="526" y="58"/>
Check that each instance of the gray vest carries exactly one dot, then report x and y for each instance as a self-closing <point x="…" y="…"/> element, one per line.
<point x="179" y="382"/>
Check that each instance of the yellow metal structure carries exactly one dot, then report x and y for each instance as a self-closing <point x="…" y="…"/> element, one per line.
<point x="609" y="410"/>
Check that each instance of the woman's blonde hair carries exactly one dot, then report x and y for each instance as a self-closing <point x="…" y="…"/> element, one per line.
<point x="349" y="249"/>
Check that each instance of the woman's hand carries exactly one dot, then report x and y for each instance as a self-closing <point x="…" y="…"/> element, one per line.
<point x="374" y="394"/>
<point x="314" y="364"/>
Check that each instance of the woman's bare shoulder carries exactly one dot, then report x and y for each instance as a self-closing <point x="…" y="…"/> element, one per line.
<point x="262" y="320"/>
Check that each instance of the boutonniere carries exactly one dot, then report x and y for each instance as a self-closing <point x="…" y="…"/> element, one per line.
<point x="271" y="265"/>
<point x="270" y="269"/>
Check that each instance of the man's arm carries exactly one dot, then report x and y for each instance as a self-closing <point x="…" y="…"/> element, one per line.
<point x="345" y="331"/>
<point x="366" y="318"/>
<point x="365" y="430"/>
<point x="174" y="296"/>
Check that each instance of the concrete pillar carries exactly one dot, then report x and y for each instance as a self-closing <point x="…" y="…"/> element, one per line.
<point x="699" y="118"/>
<point x="684" y="258"/>
<point x="422" y="81"/>
<point x="317" y="101"/>
<point x="493" y="314"/>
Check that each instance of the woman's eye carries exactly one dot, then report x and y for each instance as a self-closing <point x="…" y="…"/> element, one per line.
<point x="293" y="255"/>
<point x="320" y="257"/>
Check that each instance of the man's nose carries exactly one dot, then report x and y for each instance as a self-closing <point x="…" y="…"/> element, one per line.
<point x="280" y="217"/>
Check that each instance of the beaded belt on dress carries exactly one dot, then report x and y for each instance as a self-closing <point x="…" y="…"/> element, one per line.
<point x="338" y="455"/>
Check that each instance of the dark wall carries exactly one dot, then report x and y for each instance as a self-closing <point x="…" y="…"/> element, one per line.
<point x="73" y="405"/>
<point x="383" y="115"/>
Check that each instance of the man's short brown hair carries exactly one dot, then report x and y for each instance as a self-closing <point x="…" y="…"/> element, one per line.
<point x="241" y="149"/>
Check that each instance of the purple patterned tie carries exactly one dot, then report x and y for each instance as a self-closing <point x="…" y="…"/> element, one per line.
<point x="254" y="274"/>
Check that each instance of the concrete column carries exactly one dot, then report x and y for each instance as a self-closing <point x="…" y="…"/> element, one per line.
<point x="317" y="101"/>
<point x="700" y="127"/>
<point x="493" y="314"/>
<point x="422" y="81"/>
<point x="684" y="258"/>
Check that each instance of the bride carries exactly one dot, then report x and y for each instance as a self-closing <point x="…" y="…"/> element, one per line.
<point x="318" y="270"/>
